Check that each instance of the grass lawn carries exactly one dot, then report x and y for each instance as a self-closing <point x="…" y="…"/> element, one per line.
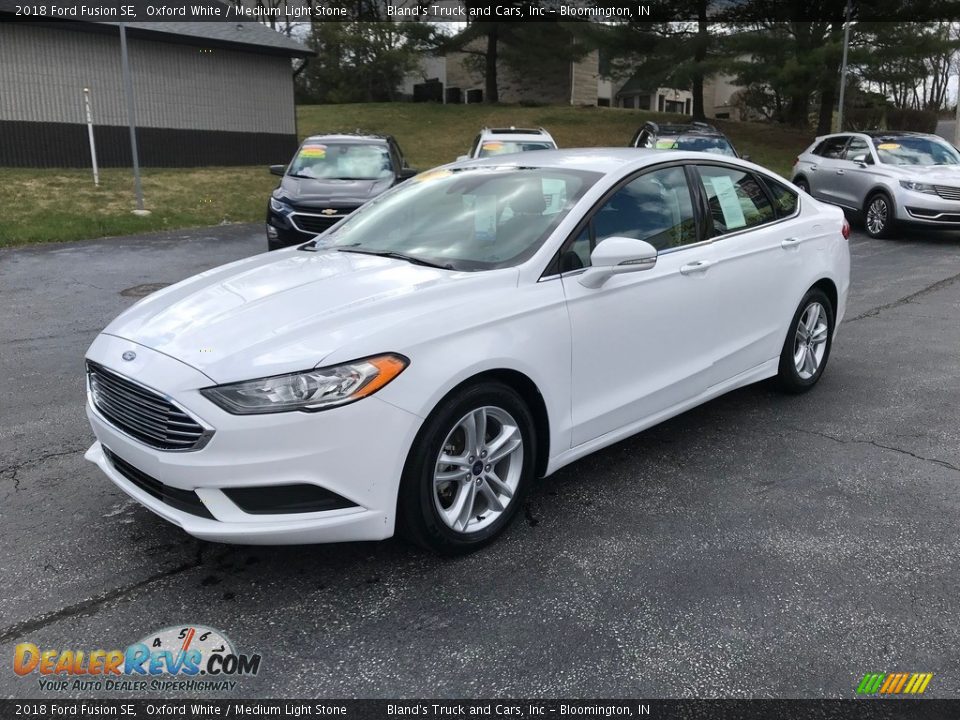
<point x="54" y="205"/>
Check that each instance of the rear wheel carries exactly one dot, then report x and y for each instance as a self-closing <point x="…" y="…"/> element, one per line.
<point x="469" y="470"/>
<point x="879" y="217"/>
<point x="807" y="347"/>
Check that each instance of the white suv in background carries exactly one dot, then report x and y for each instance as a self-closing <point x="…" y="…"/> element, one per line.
<point x="505" y="141"/>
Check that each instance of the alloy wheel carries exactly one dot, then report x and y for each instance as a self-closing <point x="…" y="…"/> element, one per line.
<point x="810" y="342"/>
<point x="877" y="215"/>
<point x="478" y="469"/>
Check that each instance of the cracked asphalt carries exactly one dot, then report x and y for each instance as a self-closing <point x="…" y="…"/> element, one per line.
<point x="757" y="546"/>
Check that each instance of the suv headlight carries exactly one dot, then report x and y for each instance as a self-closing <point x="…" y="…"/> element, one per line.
<point x="310" y="390"/>
<point x="918" y="187"/>
<point x="279" y="206"/>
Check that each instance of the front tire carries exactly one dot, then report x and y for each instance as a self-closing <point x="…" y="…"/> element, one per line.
<point x="878" y="218"/>
<point x="469" y="470"/>
<point x="802" y="184"/>
<point x="807" y="347"/>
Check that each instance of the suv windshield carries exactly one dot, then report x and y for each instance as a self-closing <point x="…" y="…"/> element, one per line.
<point x="505" y="147"/>
<point x="342" y="161"/>
<point x="464" y="219"/>
<point x="912" y="150"/>
<point x="696" y="143"/>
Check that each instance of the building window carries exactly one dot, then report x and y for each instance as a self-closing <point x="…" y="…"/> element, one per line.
<point x="660" y="101"/>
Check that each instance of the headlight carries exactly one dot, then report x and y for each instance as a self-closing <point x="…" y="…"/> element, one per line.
<point x="918" y="187"/>
<point x="279" y="206"/>
<point x="309" y="390"/>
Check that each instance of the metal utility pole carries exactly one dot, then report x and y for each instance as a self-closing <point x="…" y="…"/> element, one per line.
<point x="131" y="118"/>
<point x="843" y="66"/>
<point x="93" y="146"/>
<point x="956" y="123"/>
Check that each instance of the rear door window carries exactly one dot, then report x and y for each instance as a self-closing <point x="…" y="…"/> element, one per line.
<point x="737" y="199"/>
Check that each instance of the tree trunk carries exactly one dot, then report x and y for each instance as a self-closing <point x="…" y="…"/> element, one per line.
<point x="491" y="92"/>
<point x="699" y="55"/>
<point x="825" y="117"/>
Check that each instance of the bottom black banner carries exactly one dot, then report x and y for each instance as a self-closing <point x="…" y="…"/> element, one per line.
<point x="866" y="709"/>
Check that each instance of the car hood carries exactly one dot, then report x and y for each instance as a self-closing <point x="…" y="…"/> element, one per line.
<point x="288" y="310"/>
<point x="325" y="191"/>
<point x="948" y="174"/>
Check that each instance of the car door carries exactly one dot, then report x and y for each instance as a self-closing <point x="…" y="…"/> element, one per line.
<point x="855" y="178"/>
<point x="638" y="341"/>
<point x="759" y="244"/>
<point x="824" y="178"/>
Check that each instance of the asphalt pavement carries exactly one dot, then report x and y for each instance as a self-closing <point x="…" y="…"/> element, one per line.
<point x="758" y="546"/>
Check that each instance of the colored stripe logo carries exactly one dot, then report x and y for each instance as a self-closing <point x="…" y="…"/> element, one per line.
<point x="894" y="683"/>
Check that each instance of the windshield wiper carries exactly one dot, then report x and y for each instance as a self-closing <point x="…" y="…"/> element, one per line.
<point x="397" y="256"/>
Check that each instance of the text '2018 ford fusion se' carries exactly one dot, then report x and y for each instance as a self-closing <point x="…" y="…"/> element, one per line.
<point x="418" y="365"/>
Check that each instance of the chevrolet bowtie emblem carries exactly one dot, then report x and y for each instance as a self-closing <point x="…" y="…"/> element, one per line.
<point x="329" y="211"/>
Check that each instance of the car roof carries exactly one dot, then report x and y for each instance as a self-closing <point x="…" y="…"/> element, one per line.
<point x="371" y="138"/>
<point x="515" y="133"/>
<point x="692" y="128"/>
<point x="602" y="160"/>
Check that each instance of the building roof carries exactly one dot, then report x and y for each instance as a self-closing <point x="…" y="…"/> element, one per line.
<point x="248" y="35"/>
<point x="251" y="34"/>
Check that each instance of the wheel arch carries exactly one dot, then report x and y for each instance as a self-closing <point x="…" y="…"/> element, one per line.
<point x="529" y="392"/>
<point x="879" y="188"/>
<point x="830" y="289"/>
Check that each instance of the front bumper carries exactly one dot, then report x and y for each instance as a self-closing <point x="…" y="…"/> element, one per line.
<point x="300" y="224"/>
<point x="926" y="209"/>
<point x="356" y="451"/>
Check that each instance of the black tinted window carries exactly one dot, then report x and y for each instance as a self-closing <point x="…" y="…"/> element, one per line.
<point x="832" y="147"/>
<point x="784" y="199"/>
<point x="655" y="207"/>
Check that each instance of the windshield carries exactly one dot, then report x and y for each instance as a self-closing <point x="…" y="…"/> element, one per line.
<point x="912" y="150"/>
<point x="464" y="219"/>
<point x="697" y="143"/>
<point x="342" y="161"/>
<point x="505" y="147"/>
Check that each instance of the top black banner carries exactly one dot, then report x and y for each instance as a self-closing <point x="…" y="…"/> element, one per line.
<point x="285" y="12"/>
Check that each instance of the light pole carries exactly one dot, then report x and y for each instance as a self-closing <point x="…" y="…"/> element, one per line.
<point x="843" y="66"/>
<point x="93" y="145"/>
<point x="131" y="119"/>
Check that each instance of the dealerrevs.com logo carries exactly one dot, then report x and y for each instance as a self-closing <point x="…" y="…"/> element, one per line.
<point x="186" y="658"/>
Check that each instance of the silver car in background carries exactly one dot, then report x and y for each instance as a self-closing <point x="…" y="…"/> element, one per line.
<point x="887" y="177"/>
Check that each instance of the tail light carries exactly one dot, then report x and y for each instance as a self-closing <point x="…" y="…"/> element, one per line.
<point x="845" y="229"/>
<point x="797" y="160"/>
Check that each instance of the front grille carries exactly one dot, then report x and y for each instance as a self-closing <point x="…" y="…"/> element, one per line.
<point x="317" y="223"/>
<point x="143" y="414"/>
<point x="185" y="500"/>
<point x="947" y="192"/>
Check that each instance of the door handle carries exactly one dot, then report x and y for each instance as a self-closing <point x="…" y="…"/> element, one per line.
<point x="697" y="266"/>
<point x="789" y="243"/>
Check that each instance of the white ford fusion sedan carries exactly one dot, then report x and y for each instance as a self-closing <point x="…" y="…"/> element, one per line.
<point x="415" y="367"/>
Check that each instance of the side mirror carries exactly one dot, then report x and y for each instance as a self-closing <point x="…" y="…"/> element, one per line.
<point x="461" y="158"/>
<point x="860" y="159"/>
<point x="278" y="170"/>
<point x="616" y="256"/>
<point x="406" y="173"/>
<point x="745" y="157"/>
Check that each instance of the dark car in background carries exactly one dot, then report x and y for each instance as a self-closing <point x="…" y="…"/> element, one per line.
<point x="692" y="137"/>
<point x="329" y="178"/>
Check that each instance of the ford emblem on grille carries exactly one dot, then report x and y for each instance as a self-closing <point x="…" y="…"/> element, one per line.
<point x="129" y="355"/>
